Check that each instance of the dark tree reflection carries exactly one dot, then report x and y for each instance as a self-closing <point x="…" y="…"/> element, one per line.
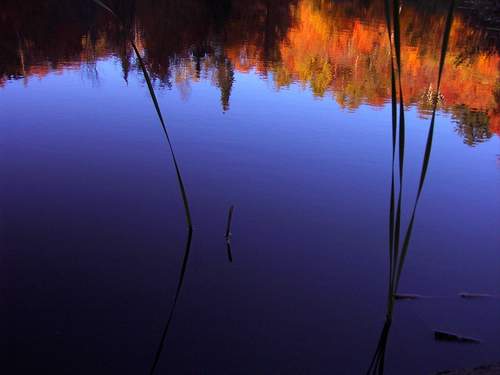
<point x="338" y="50"/>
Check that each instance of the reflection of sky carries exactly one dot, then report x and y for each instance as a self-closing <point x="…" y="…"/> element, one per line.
<point x="310" y="185"/>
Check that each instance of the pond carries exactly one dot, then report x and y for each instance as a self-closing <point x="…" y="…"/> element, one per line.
<point x="281" y="109"/>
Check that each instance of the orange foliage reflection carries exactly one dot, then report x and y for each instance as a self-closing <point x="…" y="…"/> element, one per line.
<point x="334" y="49"/>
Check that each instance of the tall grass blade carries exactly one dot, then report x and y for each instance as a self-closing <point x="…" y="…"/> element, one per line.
<point x="428" y="146"/>
<point x="397" y="50"/>
<point x="158" y="111"/>
<point x="394" y="131"/>
<point x="160" y="116"/>
<point x="180" y="283"/>
<point x="402" y="131"/>
<point x="378" y="360"/>
<point x="396" y="259"/>
<point x="187" y="249"/>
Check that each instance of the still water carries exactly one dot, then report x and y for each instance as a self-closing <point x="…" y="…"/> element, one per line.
<point x="281" y="109"/>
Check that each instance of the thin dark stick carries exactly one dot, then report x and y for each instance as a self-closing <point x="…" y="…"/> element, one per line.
<point x="228" y="234"/>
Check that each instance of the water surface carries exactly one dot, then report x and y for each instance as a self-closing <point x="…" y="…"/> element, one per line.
<point x="281" y="109"/>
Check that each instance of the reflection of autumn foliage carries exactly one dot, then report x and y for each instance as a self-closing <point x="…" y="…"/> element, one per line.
<point x="341" y="49"/>
<point x="338" y="49"/>
<point x="349" y="57"/>
<point x="336" y="54"/>
<point x="39" y="37"/>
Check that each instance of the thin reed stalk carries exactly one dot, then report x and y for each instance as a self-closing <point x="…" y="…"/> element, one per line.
<point x="377" y="364"/>
<point x="182" y="189"/>
<point x="160" y="117"/>
<point x="401" y="129"/>
<point x="178" y="290"/>
<point x="394" y="131"/>
<point x="428" y="146"/>
<point x="397" y="256"/>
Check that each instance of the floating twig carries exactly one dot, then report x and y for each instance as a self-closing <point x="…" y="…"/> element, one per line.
<point x="229" y="234"/>
<point x="406" y="296"/>
<point x="477" y="295"/>
<point x="401" y="296"/>
<point x="447" y="336"/>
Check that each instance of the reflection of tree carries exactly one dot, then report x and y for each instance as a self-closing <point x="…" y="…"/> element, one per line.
<point x="342" y="48"/>
<point x="37" y="36"/>
<point x="337" y="49"/>
<point x="221" y="72"/>
<point x="494" y="114"/>
<point x="225" y="78"/>
<point x="472" y="125"/>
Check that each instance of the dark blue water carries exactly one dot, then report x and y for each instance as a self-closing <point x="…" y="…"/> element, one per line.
<point x="93" y="230"/>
